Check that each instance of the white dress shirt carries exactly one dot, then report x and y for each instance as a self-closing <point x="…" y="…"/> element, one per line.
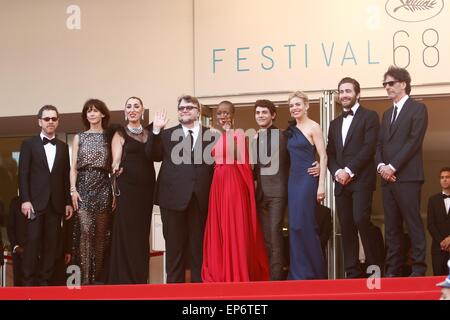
<point x="347" y="121"/>
<point x="447" y="203"/>
<point x="399" y="105"/>
<point x="50" y="152"/>
<point x="195" y="131"/>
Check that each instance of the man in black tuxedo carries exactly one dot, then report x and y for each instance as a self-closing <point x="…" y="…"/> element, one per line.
<point x="44" y="195"/>
<point x="439" y="225"/>
<point x="400" y="164"/>
<point x="352" y="141"/>
<point x="182" y="187"/>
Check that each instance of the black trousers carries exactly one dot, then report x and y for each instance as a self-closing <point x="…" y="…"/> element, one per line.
<point x="354" y="209"/>
<point x="17" y="269"/>
<point x="271" y="212"/>
<point x="183" y="233"/>
<point x="439" y="260"/>
<point x="41" y="248"/>
<point x="401" y="202"/>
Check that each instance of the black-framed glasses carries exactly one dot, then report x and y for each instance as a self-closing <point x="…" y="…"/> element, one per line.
<point x="188" y="108"/>
<point x="390" y="83"/>
<point x="47" y="119"/>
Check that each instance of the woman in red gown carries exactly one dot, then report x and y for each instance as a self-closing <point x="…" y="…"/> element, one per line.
<point x="233" y="248"/>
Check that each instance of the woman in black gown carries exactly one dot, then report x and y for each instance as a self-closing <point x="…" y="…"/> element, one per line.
<point x="130" y="250"/>
<point x="90" y="189"/>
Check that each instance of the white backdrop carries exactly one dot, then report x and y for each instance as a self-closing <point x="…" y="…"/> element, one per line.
<point x="253" y="46"/>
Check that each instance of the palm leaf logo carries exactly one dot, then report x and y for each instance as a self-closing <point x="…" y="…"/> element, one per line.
<point x="416" y="5"/>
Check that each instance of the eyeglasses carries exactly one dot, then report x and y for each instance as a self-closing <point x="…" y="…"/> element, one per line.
<point x="188" y="108"/>
<point x="390" y="83"/>
<point x="47" y="119"/>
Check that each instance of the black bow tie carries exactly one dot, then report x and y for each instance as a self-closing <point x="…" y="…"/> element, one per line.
<point x="347" y="113"/>
<point x="45" y="141"/>
<point x="445" y="196"/>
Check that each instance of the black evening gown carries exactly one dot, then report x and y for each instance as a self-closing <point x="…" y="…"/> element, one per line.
<point x="130" y="249"/>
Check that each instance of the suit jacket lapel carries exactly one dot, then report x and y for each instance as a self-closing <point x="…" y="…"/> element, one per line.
<point x="200" y="145"/>
<point x="199" y="141"/>
<point x="400" y="117"/>
<point x="387" y="122"/>
<point x="41" y="150"/>
<point x="57" y="154"/>
<point x="338" y="134"/>
<point x="442" y="207"/>
<point x="265" y="140"/>
<point x="181" y="136"/>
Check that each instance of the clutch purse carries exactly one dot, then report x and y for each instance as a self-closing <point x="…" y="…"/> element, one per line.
<point x="114" y="186"/>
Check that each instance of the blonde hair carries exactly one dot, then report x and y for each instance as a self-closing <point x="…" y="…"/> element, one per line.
<point x="300" y="95"/>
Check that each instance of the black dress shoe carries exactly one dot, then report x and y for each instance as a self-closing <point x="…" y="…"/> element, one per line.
<point x="416" y="274"/>
<point x="390" y="275"/>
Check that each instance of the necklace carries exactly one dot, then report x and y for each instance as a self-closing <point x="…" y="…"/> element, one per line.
<point x="137" y="130"/>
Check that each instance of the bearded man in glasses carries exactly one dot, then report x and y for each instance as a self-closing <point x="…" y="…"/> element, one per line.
<point x="182" y="187"/>
<point x="400" y="165"/>
<point x="44" y="191"/>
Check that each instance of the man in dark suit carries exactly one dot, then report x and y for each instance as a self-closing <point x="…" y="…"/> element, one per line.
<point x="44" y="195"/>
<point x="182" y="187"/>
<point x="400" y="164"/>
<point x="17" y="231"/>
<point x="439" y="225"/>
<point x="352" y="140"/>
<point x="271" y="171"/>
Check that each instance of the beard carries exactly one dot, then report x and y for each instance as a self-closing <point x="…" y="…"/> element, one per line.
<point x="349" y="103"/>
<point x="185" y="119"/>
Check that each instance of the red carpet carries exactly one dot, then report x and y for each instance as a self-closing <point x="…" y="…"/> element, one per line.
<point x="390" y="289"/>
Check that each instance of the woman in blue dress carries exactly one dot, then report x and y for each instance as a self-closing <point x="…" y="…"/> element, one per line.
<point x="304" y="191"/>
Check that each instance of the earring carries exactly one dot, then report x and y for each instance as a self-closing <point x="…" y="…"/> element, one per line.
<point x="142" y="117"/>
<point x="126" y="118"/>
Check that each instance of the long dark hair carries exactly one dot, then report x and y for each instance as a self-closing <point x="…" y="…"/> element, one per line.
<point x="289" y="130"/>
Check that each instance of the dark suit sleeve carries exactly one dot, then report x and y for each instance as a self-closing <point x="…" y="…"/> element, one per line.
<point x="431" y="221"/>
<point x="379" y="150"/>
<point x="367" y="150"/>
<point x="24" y="171"/>
<point x="67" y="175"/>
<point x="331" y="151"/>
<point x="153" y="147"/>
<point x="11" y="227"/>
<point x="255" y="167"/>
<point x="417" y="133"/>
<point x="67" y="234"/>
